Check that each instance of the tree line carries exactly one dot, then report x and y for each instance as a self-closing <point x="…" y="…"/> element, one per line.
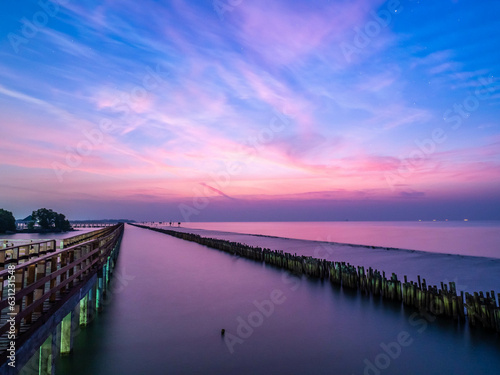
<point x="47" y="220"/>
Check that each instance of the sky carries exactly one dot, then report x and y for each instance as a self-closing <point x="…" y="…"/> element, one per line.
<point x="239" y="110"/>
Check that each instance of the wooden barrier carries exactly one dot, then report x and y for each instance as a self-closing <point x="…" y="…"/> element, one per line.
<point x="18" y="254"/>
<point x="87" y="236"/>
<point x="21" y="253"/>
<point x="479" y="309"/>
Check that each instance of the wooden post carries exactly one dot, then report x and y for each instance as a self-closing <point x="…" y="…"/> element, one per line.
<point x="53" y="281"/>
<point x="41" y="269"/>
<point x="2" y="260"/>
<point x="64" y="276"/>
<point x="19" y="284"/>
<point x="30" y="279"/>
<point x="77" y="254"/>
<point x="71" y="271"/>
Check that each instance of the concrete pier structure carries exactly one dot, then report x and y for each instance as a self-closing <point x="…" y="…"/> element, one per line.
<point x="54" y="293"/>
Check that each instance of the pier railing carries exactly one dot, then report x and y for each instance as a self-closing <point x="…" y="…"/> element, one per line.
<point x="20" y="253"/>
<point x="33" y="284"/>
<point x="88" y="236"/>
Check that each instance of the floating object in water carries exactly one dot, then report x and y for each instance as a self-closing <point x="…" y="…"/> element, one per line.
<point x="222" y="331"/>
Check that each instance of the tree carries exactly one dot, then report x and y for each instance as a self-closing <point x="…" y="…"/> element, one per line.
<point x="48" y="219"/>
<point x="44" y="217"/>
<point x="61" y="223"/>
<point x="7" y="221"/>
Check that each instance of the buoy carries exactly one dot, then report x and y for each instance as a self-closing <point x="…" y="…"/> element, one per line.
<point x="222" y="332"/>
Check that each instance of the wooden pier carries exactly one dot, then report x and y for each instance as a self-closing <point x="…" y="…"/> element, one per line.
<point x="46" y="291"/>
<point x="477" y="309"/>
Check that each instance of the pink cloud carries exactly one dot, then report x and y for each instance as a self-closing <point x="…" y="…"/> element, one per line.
<point x="286" y="33"/>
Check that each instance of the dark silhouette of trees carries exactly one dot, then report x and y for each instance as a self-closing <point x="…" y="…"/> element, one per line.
<point x="61" y="223"/>
<point x="51" y="220"/>
<point x="7" y="221"/>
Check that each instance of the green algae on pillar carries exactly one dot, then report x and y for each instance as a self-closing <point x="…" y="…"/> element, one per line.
<point x="46" y="358"/>
<point x="99" y="292"/>
<point x="66" y="337"/>
<point x="84" y="310"/>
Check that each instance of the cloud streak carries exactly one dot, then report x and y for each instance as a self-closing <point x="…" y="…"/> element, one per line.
<point x="188" y="95"/>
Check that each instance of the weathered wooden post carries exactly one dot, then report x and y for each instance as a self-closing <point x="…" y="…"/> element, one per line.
<point x="30" y="279"/>
<point x="2" y="260"/>
<point x="19" y="284"/>
<point x="41" y="269"/>
<point x="63" y="261"/>
<point x="53" y="280"/>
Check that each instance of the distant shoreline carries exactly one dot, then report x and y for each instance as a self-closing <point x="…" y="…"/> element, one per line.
<point x="43" y="231"/>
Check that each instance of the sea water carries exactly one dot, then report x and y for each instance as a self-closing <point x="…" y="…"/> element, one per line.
<point x="480" y="238"/>
<point x="169" y="300"/>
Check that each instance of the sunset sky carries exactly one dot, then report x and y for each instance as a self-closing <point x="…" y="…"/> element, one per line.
<point x="251" y="110"/>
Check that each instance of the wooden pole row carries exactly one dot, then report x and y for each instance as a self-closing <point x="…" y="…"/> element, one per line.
<point x="478" y="309"/>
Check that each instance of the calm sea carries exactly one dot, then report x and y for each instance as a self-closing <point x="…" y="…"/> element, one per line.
<point x="480" y="238"/>
<point x="169" y="300"/>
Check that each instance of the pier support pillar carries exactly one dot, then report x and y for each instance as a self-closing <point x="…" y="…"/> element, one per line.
<point x="84" y="310"/>
<point x="66" y="333"/>
<point x="99" y="292"/>
<point x="56" y="342"/>
<point x="46" y="357"/>
<point x="104" y="280"/>
<point x="107" y="272"/>
<point x="92" y="305"/>
<point x="111" y="263"/>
